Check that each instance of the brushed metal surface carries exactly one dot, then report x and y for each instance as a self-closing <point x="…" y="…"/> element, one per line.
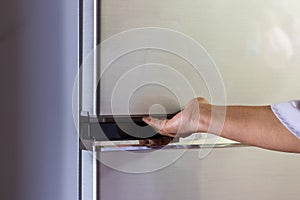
<point x="88" y="68"/>
<point x="231" y="174"/>
<point x="255" y="45"/>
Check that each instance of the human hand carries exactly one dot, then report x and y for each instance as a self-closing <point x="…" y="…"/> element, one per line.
<point x="193" y="118"/>
<point x="158" y="142"/>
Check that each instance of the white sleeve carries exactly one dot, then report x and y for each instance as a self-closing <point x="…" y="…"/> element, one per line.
<point x="289" y="115"/>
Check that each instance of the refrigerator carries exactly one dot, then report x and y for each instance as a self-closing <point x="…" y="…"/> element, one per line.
<point x="140" y="58"/>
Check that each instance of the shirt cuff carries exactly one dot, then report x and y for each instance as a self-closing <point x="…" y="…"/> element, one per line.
<point x="289" y="115"/>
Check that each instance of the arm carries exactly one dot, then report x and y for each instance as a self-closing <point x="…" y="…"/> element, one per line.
<point x="251" y="125"/>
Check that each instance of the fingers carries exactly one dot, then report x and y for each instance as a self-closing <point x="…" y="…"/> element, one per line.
<point x="183" y="123"/>
<point x="165" y="127"/>
<point x="157" y="142"/>
<point x="143" y="142"/>
<point x="157" y="124"/>
<point x="147" y="120"/>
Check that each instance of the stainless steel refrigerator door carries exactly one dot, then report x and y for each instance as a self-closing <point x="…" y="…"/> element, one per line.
<point x="226" y="173"/>
<point x="254" y="44"/>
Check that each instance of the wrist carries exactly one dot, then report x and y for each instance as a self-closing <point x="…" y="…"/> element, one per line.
<point x="212" y="118"/>
<point x="205" y="117"/>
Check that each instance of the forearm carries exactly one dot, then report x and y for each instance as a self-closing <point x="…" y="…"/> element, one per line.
<point x="255" y="125"/>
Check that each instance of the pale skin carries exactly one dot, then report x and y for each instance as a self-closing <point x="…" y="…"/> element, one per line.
<point x="250" y="125"/>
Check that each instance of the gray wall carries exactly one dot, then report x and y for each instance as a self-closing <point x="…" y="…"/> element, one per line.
<point x="38" y="59"/>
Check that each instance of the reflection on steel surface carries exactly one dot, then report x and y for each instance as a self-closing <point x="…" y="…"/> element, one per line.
<point x="170" y="146"/>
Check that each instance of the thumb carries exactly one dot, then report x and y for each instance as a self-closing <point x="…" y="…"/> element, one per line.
<point x="157" y="124"/>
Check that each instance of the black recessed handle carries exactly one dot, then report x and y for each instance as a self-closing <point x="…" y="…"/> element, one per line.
<point x="128" y="130"/>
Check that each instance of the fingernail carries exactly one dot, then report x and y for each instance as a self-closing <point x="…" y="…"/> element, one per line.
<point x="146" y="119"/>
